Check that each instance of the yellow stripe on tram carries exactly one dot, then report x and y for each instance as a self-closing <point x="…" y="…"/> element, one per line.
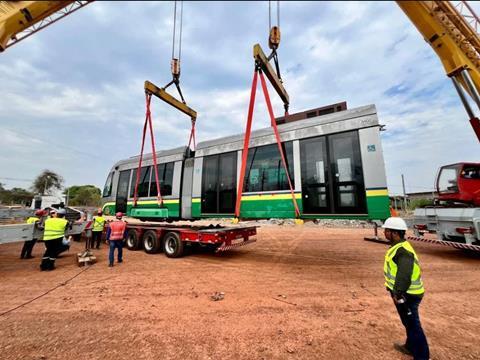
<point x="381" y="192"/>
<point x="147" y="202"/>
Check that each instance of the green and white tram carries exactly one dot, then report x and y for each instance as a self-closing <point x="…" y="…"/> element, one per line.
<point x="335" y="162"/>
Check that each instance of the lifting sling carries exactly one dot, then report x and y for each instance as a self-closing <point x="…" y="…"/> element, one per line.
<point x="247" y="141"/>
<point x="151" y="89"/>
<point x="148" y="121"/>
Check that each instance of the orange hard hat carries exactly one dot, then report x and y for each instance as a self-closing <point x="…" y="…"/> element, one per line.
<point x="39" y="212"/>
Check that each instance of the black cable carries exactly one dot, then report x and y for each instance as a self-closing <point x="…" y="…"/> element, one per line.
<point x="45" y="293"/>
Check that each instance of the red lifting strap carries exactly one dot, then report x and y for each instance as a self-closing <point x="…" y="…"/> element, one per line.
<point x="247" y="141"/>
<point x="192" y="136"/>
<point x="279" y="142"/>
<point x="148" y="120"/>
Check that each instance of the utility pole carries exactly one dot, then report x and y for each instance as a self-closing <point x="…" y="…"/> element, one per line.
<point x="46" y="184"/>
<point x="404" y="195"/>
<point x="68" y="196"/>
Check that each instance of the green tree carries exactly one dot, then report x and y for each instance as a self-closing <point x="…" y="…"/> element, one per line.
<point x="15" y="196"/>
<point x="420" y="203"/>
<point x="83" y="195"/>
<point x="46" y="182"/>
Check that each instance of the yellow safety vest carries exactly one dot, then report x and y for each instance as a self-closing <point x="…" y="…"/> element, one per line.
<point x="54" y="228"/>
<point x="32" y="220"/>
<point x="98" y="223"/>
<point x="390" y="269"/>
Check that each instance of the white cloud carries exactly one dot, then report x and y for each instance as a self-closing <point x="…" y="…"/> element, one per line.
<point x="86" y="96"/>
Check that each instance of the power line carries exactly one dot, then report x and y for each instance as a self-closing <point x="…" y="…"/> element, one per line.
<point x="54" y="143"/>
<point x="15" y="179"/>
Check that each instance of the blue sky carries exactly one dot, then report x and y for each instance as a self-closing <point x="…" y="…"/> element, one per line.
<point x="73" y="102"/>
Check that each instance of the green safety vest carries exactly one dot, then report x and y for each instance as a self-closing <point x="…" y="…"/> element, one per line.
<point x="54" y="228"/>
<point x="98" y="223"/>
<point x="390" y="269"/>
<point x="32" y="220"/>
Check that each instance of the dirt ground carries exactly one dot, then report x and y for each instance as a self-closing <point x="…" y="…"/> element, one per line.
<point x="298" y="293"/>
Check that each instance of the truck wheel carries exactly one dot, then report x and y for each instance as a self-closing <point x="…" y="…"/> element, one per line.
<point x="133" y="242"/>
<point x="173" y="246"/>
<point x="151" y="242"/>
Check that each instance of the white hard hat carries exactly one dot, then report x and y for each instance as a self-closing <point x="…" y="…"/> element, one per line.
<point x="61" y="212"/>
<point x="395" y="223"/>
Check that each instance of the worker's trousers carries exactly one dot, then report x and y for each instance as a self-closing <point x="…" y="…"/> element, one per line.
<point x="96" y="239"/>
<point x="27" y="249"/>
<point x="53" y="247"/>
<point x="118" y="244"/>
<point x="416" y="339"/>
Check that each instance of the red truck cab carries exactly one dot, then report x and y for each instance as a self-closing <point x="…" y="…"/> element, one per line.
<point x="459" y="183"/>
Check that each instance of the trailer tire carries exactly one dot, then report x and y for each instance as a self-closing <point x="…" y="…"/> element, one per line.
<point x="132" y="242"/>
<point x="151" y="242"/>
<point x="173" y="246"/>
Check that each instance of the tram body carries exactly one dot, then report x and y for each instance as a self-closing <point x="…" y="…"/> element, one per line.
<point x="335" y="162"/>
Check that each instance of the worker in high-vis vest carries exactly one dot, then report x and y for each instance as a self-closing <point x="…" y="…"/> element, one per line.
<point x="53" y="233"/>
<point x="403" y="280"/>
<point x="97" y="231"/>
<point x="28" y="245"/>
<point x="116" y="232"/>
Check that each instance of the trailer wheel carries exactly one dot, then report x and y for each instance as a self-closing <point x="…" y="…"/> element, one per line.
<point x="133" y="242"/>
<point x="151" y="242"/>
<point x="172" y="245"/>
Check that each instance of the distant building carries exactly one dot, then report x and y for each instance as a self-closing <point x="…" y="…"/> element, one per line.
<point x="44" y="201"/>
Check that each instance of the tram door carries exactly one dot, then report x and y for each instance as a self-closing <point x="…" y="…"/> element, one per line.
<point x="219" y="183"/>
<point x="122" y="191"/>
<point x="315" y="184"/>
<point x="347" y="174"/>
<point x="332" y="176"/>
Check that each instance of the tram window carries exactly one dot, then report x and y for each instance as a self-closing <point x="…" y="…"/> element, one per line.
<point x="347" y="197"/>
<point x="320" y="173"/>
<point x="344" y="169"/>
<point x="165" y="175"/>
<point x="143" y="183"/>
<point x="107" y="189"/>
<point x="265" y="171"/>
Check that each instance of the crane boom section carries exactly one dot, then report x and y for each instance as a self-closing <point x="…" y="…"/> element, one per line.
<point x="20" y="19"/>
<point x="451" y="37"/>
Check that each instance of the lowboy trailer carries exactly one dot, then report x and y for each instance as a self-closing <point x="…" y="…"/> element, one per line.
<point x="173" y="240"/>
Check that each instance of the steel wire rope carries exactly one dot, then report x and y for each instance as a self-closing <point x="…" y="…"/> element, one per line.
<point x="181" y="27"/>
<point x="46" y="292"/>
<point x="174" y="27"/>
<point x="175" y="30"/>
<point x="270" y="14"/>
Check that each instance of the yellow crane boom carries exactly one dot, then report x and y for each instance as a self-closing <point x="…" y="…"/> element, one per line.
<point x="455" y="41"/>
<point x="20" y="19"/>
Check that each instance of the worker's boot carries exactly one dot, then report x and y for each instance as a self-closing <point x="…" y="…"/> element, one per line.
<point x="402" y="348"/>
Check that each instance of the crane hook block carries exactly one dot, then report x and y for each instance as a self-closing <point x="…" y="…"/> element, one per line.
<point x="274" y="38"/>
<point x="175" y="66"/>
